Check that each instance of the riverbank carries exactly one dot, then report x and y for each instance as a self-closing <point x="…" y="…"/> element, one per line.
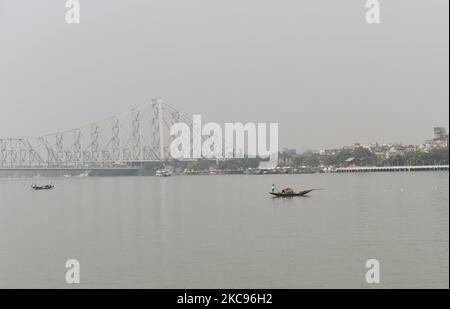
<point x="250" y="171"/>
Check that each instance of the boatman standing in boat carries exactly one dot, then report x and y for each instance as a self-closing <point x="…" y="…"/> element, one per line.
<point x="273" y="188"/>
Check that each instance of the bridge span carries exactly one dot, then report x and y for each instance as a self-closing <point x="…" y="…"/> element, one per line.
<point x="63" y="169"/>
<point x="116" y="143"/>
<point x="68" y="171"/>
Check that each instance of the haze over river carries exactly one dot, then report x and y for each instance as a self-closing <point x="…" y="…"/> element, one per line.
<point x="226" y="231"/>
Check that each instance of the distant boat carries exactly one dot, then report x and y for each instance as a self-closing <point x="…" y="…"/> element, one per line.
<point x="162" y="173"/>
<point x="45" y="187"/>
<point x="85" y="174"/>
<point x="290" y="193"/>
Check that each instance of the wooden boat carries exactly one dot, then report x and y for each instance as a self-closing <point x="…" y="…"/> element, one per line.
<point x="46" y="187"/>
<point x="290" y="193"/>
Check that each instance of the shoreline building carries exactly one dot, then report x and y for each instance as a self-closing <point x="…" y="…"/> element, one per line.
<point x="440" y="140"/>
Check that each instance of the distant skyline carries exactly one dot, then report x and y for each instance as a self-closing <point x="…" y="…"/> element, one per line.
<point x="316" y="67"/>
<point x="431" y="137"/>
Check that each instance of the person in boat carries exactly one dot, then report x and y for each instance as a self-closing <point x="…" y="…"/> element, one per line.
<point x="273" y="188"/>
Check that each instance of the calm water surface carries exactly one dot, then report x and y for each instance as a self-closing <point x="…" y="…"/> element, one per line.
<point x="226" y="232"/>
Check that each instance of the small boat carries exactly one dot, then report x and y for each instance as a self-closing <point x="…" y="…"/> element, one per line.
<point x="290" y="193"/>
<point x="85" y="174"/>
<point x="162" y="173"/>
<point x="45" y="187"/>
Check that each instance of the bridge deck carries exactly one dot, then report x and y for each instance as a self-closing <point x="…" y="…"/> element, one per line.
<point x="31" y="168"/>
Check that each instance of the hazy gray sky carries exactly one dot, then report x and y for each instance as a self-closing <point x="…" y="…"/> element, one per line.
<point x="316" y="67"/>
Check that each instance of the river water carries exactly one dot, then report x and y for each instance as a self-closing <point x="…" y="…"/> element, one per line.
<point x="227" y="232"/>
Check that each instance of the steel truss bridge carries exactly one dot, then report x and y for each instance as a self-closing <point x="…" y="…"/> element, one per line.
<point x="141" y="135"/>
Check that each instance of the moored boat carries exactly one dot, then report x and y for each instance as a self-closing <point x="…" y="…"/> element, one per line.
<point x="162" y="173"/>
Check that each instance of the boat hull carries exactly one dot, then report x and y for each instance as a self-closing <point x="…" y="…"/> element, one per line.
<point x="47" y="187"/>
<point x="301" y="193"/>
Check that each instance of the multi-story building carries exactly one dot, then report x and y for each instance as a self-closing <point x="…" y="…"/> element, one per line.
<point x="440" y="133"/>
<point x="440" y="140"/>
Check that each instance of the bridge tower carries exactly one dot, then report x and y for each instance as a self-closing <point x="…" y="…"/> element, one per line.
<point x="158" y="128"/>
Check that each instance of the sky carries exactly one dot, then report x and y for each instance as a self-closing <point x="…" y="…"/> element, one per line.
<point x="315" y="67"/>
